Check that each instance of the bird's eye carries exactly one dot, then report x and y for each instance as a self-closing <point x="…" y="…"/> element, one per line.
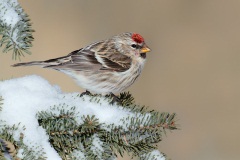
<point x="134" y="45"/>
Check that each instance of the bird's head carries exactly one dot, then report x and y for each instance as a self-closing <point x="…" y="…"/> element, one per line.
<point x="131" y="44"/>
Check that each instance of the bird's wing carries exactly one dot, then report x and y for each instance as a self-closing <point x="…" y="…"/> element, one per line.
<point x="111" y="59"/>
<point x="92" y="58"/>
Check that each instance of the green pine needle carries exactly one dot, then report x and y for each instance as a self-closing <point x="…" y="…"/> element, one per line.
<point x="17" y="38"/>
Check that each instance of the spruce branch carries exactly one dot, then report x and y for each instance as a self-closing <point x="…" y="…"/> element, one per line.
<point x="10" y="148"/>
<point x="138" y="135"/>
<point x="69" y="126"/>
<point x="15" y="29"/>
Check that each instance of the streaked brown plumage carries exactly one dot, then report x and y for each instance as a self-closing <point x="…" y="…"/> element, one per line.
<point x="107" y="66"/>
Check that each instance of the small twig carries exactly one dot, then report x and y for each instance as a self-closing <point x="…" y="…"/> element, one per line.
<point x="125" y="139"/>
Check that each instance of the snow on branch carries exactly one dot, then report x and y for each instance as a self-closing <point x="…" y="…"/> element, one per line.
<point x="40" y="118"/>
<point x="15" y="29"/>
<point x="1" y="103"/>
<point x="154" y="155"/>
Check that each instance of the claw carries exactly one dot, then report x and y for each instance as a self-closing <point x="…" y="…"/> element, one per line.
<point x="115" y="99"/>
<point x="85" y="93"/>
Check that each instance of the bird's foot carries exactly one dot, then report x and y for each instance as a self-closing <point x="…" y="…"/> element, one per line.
<point x="85" y="93"/>
<point x="114" y="99"/>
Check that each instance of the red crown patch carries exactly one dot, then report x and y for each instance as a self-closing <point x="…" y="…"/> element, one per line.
<point x="137" y="38"/>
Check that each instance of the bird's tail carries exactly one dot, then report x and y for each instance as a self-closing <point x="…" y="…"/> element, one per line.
<point x="34" y="63"/>
<point x="51" y="63"/>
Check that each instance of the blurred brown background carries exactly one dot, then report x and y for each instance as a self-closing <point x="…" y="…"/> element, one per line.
<point x="193" y="68"/>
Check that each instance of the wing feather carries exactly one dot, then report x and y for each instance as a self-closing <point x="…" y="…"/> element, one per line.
<point x="116" y="61"/>
<point x="92" y="59"/>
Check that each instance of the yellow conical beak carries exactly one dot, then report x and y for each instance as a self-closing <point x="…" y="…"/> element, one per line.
<point x="145" y="49"/>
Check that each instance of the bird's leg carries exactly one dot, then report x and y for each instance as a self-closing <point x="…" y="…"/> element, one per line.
<point x="86" y="93"/>
<point x="114" y="99"/>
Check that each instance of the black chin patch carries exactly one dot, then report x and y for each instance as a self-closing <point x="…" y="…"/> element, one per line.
<point x="143" y="55"/>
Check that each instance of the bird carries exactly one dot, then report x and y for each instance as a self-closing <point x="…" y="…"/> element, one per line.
<point x="108" y="66"/>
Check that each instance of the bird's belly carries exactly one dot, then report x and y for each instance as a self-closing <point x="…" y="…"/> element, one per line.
<point x="104" y="83"/>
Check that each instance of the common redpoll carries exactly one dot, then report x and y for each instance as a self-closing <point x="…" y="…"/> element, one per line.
<point x="107" y="66"/>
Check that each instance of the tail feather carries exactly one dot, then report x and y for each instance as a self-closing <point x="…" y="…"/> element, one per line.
<point x="34" y="63"/>
<point x="47" y="63"/>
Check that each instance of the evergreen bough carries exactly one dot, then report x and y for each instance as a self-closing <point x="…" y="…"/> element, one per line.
<point x="9" y="147"/>
<point x="92" y="140"/>
<point x="15" y="36"/>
